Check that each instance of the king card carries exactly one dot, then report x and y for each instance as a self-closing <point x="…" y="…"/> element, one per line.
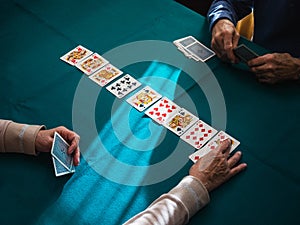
<point x="105" y="75"/>
<point x="123" y="86"/>
<point x="59" y="151"/>
<point x="91" y="64"/>
<point x="199" y="134"/>
<point x="162" y="110"/>
<point x="144" y="98"/>
<point x="181" y="121"/>
<point x="75" y="55"/>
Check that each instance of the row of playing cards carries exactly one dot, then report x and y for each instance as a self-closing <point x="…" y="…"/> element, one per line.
<point x="62" y="161"/>
<point x="160" y="109"/>
<point x="192" y="48"/>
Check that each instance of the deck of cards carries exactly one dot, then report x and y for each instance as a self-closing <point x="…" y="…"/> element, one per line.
<point x="194" y="49"/>
<point x="159" y="108"/>
<point x="62" y="161"/>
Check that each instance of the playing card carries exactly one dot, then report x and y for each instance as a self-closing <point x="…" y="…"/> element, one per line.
<point x="213" y="144"/>
<point x="75" y="55"/>
<point x="123" y="86"/>
<point x="59" y="151"/>
<point x="162" y="110"/>
<point x="200" y="51"/>
<point x="59" y="169"/>
<point x="184" y="42"/>
<point x="105" y="74"/>
<point x="91" y="64"/>
<point x="199" y="134"/>
<point x="181" y="121"/>
<point x="244" y="53"/>
<point x="144" y="98"/>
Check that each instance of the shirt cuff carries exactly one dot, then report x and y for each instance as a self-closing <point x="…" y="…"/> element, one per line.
<point x="20" y="138"/>
<point x="192" y="194"/>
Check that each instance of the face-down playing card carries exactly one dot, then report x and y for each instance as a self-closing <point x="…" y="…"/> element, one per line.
<point x="162" y="110"/>
<point x="180" y="121"/>
<point x="59" y="151"/>
<point x="59" y="169"/>
<point x="123" y="86"/>
<point x="144" y="98"/>
<point x="199" y="134"/>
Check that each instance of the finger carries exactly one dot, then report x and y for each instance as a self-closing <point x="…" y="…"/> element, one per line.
<point x="76" y="157"/>
<point x="234" y="159"/>
<point x="237" y="169"/>
<point x="225" y="146"/>
<point x="74" y="143"/>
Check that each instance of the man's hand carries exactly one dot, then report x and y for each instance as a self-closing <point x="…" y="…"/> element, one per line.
<point x="215" y="168"/>
<point x="225" y="38"/>
<point x="275" y="68"/>
<point x="44" y="140"/>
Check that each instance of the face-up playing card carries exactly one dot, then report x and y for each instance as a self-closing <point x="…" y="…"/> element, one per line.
<point x="59" y="169"/>
<point x="144" y="98"/>
<point x="91" y="64"/>
<point x="105" y="75"/>
<point x="200" y="51"/>
<point x="162" y="110"/>
<point x="198" y="134"/>
<point x="75" y="55"/>
<point x="59" y="151"/>
<point x="181" y="121"/>
<point x="213" y="144"/>
<point x="123" y="86"/>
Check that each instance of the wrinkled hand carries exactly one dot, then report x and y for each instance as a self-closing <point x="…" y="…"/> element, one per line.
<point x="275" y="68"/>
<point x="225" y="38"/>
<point x="44" y="140"/>
<point x="215" y="168"/>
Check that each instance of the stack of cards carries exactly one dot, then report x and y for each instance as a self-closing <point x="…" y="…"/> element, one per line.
<point x="62" y="161"/>
<point x="192" y="48"/>
<point x="160" y="109"/>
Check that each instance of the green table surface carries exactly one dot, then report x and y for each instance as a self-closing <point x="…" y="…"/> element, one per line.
<point x="127" y="160"/>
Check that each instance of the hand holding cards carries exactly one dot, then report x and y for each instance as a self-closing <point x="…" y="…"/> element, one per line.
<point x="244" y="53"/>
<point x="62" y="161"/>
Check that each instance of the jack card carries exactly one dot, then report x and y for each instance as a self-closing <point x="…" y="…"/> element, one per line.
<point x="144" y="98"/>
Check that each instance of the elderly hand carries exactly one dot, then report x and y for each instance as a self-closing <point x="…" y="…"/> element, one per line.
<point x="225" y="38"/>
<point x="45" y="138"/>
<point x="275" y="68"/>
<point x="216" y="167"/>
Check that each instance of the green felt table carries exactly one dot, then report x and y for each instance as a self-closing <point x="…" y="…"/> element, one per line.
<point x="127" y="160"/>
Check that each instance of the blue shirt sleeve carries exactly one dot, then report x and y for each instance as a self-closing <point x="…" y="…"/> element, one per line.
<point x="234" y="10"/>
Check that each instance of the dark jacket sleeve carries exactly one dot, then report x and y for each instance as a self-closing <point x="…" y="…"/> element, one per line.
<point x="234" y="10"/>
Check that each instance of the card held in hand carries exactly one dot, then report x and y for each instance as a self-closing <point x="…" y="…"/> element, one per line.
<point x="59" y="169"/>
<point x="144" y="98"/>
<point x="59" y="151"/>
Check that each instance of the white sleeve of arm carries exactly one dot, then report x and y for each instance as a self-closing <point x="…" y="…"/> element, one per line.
<point x="175" y="207"/>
